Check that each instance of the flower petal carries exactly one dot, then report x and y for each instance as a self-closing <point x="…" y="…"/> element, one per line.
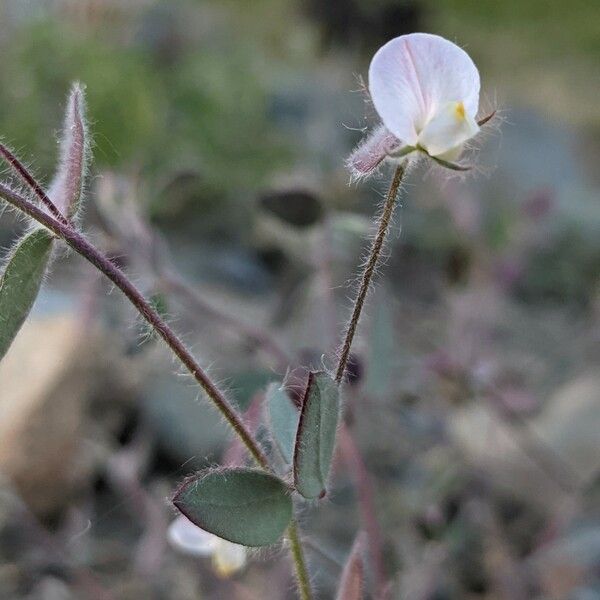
<point x="452" y="154"/>
<point x="413" y="76"/>
<point x="449" y="129"/>
<point x="371" y="152"/>
<point x="228" y="558"/>
<point x="190" y="539"/>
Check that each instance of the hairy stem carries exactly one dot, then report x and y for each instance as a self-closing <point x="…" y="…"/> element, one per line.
<point x="369" y="271"/>
<point x="76" y="241"/>
<point x="24" y="174"/>
<point x="297" y="551"/>
<point x="350" y="451"/>
<point x="172" y="282"/>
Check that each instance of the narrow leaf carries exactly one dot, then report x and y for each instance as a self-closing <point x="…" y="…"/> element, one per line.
<point x="241" y="505"/>
<point x="20" y="283"/>
<point x="283" y="420"/>
<point x="315" y="439"/>
<point x="352" y="579"/>
<point x="68" y="184"/>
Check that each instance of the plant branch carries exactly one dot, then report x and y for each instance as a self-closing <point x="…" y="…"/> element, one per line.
<point x="24" y="174"/>
<point x="80" y="244"/>
<point x="170" y="281"/>
<point x="369" y="271"/>
<point x="350" y="451"/>
<point x="302" y="576"/>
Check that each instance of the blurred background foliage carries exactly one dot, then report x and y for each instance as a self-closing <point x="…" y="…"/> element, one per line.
<point x="206" y="102"/>
<point x="225" y="125"/>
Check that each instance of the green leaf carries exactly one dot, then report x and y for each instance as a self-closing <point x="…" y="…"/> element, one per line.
<point x="20" y="283"/>
<point x="245" y="506"/>
<point x="283" y="420"/>
<point x="315" y="439"/>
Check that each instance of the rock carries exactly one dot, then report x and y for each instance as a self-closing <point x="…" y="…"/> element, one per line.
<point x="565" y="433"/>
<point x="43" y="389"/>
<point x="570" y="562"/>
<point x="571" y="424"/>
<point x="51" y="588"/>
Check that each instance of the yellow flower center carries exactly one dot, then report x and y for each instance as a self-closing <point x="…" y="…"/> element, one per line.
<point x="459" y="111"/>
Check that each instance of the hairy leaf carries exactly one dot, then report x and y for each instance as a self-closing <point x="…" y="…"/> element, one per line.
<point x="315" y="439"/>
<point x="20" y="283"/>
<point x="245" y="506"/>
<point x="67" y="188"/>
<point x="283" y="420"/>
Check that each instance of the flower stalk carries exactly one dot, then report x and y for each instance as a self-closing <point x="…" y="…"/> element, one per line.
<point x="369" y="270"/>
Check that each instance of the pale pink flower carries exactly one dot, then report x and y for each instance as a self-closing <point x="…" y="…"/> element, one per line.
<point x="425" y="89"/>
<point x="227" y="558"/>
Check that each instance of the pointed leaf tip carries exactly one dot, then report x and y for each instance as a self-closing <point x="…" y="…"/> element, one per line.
<point x="244" y="506"/>
<point x="20" y="283"/>
<point x="67" y="187"/>
<point x="315" y="439"/>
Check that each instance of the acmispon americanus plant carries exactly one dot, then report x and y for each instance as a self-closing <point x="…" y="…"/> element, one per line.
<point x="426" y="92"/>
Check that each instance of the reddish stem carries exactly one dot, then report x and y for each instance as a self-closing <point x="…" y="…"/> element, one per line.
<point x="76" y="241"/>
<point x="364" y="487"/>
<point x="173" y="282"/>
<point x="24" y="174"/>
<point x="369" y="270"/>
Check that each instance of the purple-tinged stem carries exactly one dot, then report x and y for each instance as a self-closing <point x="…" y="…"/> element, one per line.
<point x="369" y="271"/>
<point x="76" y="241"/>
<point x="173" y="282"/>
<point x="24" y="174"/>
<point x="364" y="487"/>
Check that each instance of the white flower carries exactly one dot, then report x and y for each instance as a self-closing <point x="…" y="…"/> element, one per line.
<point x="426" y="92"/>
<point x="227" y="558"/>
